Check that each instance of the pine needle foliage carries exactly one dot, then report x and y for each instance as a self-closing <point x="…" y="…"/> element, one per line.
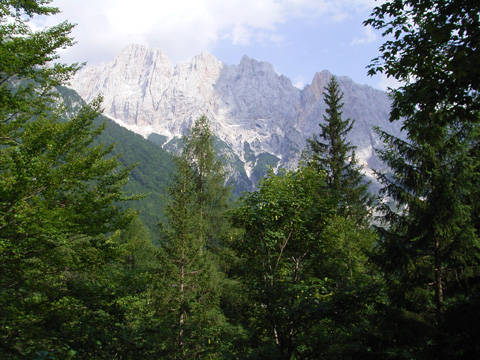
<point x="430" y="247"/>
<point x="333" y="154"/>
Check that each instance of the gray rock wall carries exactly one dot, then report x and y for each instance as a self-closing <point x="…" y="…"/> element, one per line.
<point x="249" y="105"/>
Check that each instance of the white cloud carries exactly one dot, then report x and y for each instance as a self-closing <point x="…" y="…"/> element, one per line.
<point x="387" y="83"/>
<point x="184" y="28"/>
<point x="368" y="36"/>
<point x="240" y="35"/>
<point x="299" y="82"/>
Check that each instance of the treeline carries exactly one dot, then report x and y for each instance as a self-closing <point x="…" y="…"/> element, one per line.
<point x="294" y="270"/>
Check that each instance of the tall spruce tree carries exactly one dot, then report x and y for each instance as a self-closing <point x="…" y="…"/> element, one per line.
<point x="333" y="154"/>
<point x="430" y="245"/>
<point x="58" y="193"/>
<point x="430" y="248"/>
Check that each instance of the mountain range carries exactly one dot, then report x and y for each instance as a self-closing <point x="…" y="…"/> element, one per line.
<point x="259" y="118"/>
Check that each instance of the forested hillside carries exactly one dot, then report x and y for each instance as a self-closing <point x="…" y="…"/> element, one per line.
<point x="153" y="166"/>
<point x="293" y="270"/>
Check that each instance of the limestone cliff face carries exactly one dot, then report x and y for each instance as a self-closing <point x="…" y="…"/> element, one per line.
<point x="259" y="115"/>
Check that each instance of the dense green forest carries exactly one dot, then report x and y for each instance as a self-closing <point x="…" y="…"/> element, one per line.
<point x="117" y="250"/>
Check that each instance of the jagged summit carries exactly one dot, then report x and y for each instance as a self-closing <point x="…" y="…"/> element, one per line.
<point x="261" y="118"/>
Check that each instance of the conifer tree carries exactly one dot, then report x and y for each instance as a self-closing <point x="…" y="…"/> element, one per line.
<point x="430" y="246"/>
<point x="333" y="154"/>
<point x="210" y="179"/>
<point x="190" y="285"/>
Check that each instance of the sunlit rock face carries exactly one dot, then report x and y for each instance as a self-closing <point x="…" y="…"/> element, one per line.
<point x="260" y="118"/>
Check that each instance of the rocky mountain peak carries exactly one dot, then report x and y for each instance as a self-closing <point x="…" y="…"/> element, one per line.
<point x="136" y="61"/>
<point x="252" y="66"/>
<point x="258" y="115"/>
<point x="319" y="82"/>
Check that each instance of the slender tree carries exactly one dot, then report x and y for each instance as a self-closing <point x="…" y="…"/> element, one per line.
<point x="210" y="179"/>
<point x="333" y="154"/>
<point x="190" y="285"/>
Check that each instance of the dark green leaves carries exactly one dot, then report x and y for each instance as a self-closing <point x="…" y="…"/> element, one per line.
<point x="434" y="51"/>
<point x="432" y="235"/>
<point x="58" y="194"/>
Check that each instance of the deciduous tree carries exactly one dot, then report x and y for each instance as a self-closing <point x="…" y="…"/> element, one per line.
<point x="301" y="265"/>
<point x="280" y="240"/>
<point x="57" y="191"/>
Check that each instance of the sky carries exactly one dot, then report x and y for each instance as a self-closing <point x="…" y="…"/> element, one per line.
<point x="298" y="37"/>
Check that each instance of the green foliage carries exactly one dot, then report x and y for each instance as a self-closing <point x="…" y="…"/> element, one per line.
<point x="80" y="279"/>
<point x="336" y="157"/>
<point x="210" y="179"/>
<point x="151" y="175"/>
<point x="157" y="139"/>
<point x="189" y="282"/>
<point x="300" y="265"/>
<point x="433" y="48"/>
<point x="249" y="155"/>
<point x="275" y="250"/>
<point x="238" y="180"/>
<point x="430" y="247"/>
<point x="154" y="166"/>
<point x="58" y="195"/>
<point x="263" y="163"/>
<point x="132" y="328"/>
<point x="434" y="240"/>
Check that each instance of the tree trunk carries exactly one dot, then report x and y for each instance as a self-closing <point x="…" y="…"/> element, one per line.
<point x="438" y="282"/>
